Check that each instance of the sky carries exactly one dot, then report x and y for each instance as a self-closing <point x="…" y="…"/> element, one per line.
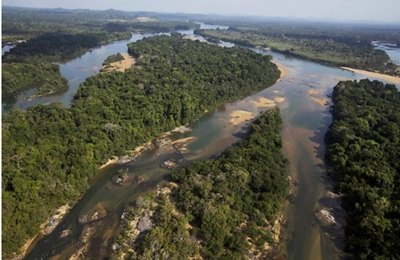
<point x="357" y="10"/>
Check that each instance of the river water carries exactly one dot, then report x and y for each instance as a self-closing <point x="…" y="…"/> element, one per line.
<point x="301" y="94"/>
<point x="393" y="52"/>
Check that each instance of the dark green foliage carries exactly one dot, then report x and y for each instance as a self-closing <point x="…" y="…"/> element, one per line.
<point x="237" y="195"/>
<point x="57" y="35"/>
<point x="50" y="152"/>
<point x="228" y="200"/>
<point x="363" y="150"/>
<point x="328" y="44"/>
<point x="27" y="23"/>
<point x="43" y="76"/>
<point x="169" y="239"/>
<point x="113" y="58"/>
<point x="58" y="46"/>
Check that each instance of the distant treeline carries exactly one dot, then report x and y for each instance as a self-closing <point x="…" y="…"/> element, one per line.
<point x="363" y="151"/>
<point x="58" y="35"/>
<point x="50" y="152"/>
<point x="338" y="47"/>
<point x="221" y="209"/>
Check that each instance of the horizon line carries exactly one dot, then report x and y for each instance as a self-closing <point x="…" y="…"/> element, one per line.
<point x="307" y="19"/>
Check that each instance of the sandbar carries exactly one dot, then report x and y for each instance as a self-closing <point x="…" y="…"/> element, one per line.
<point x="279" y="99"/>
<point x="239" y="116"/>
<point x="264" y="102"/>
<point x="320" y="101"/>
<point x="121" y="66"/>
<point x="282" y="69"/>
<point x="388" y="78"/>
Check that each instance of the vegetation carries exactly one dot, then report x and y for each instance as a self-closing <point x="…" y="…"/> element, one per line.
<point x="363" y="149"/>
<point x="349" y="47"/>
<point x="43" y="76"/>
<point x="223" y="208"/>
<point x="50" y="152"/>
<point x="26" y="23"/>
<point x="59" y="47"/>
<point x="58" y="35"/>
<point x="113" y="58"/>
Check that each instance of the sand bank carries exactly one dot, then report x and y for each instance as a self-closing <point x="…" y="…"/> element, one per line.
<point x="239" y="116"/>
<point x="121" y="66"/>
<point x="45" y="228"/>
<point x="388" y="78"/>
<point x="52" y="222"/>
<point x="109" y="162"/>
<point x="318" y="100"/>
<point x="282" y="69"/>
<point x="182" y="129"/>
<point x="184" y="140"/>
<point x="264" y="102"/>
<point x="279" y="99"/>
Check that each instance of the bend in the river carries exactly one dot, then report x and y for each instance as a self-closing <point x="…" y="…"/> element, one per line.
<point x="301" y="94"/>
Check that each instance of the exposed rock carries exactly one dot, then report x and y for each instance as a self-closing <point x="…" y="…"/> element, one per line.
<point x="162" y="142"/>
<point x="100" y="213"/>
<point x="169" y="164"/>
<point x="65" y="233"/>
<point x="326" y="217"/>
<point x="54" y="220"/>
<point x="144" y="223"/>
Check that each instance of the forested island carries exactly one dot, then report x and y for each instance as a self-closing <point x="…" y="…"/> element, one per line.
<point x="51" y="152"/>
<point x="340" y="45"/>
<point x="54" y="36"/>
<point x="224" y="208"/>
<point x="363" y="149"/>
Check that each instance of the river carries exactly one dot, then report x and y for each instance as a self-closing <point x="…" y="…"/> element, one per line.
<point x="301" y="94"/>
<point x="392" y="51"/>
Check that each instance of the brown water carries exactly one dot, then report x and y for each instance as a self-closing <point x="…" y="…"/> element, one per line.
<point x="305" y="123"/>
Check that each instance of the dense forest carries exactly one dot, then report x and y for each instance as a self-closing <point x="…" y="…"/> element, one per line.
<point x="58" y="35"/>
<point x="351" y="48"/>
<point x="29" y="64"/>
<point x="45" y="77"/>
<point x="223" y="208"/>
<point x="363" y="150"/>
<point x="26" y="23"/>
<point x="51" y="152"/>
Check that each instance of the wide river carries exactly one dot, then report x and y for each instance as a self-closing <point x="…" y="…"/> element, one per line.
<point x="301" y="94"/>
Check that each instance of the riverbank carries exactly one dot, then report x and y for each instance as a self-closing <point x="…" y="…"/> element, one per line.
<point x="388" y="78"/>
<point x="133" y="154"/>
<point x="46" y="228"/>
<point x="282" y="69"/>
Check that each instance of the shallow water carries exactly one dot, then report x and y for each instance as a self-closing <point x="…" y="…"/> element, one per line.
<point x="305" y="124"/>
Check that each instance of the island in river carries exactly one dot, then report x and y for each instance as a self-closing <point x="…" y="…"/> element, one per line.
<point x="111" y="114"/>
<point x="226" y="207"/>
<point x="305" y="122"/>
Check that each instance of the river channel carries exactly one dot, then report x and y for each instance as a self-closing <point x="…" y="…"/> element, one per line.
<point x="302" y="96"/>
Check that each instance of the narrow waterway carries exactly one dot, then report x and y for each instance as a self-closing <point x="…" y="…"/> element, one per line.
<point x="301" y="94"/>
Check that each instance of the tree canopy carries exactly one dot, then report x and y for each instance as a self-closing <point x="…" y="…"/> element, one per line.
<point x="50" y="152"/>
<point x="363" y="149"/>
<point x="222" y="208"/>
